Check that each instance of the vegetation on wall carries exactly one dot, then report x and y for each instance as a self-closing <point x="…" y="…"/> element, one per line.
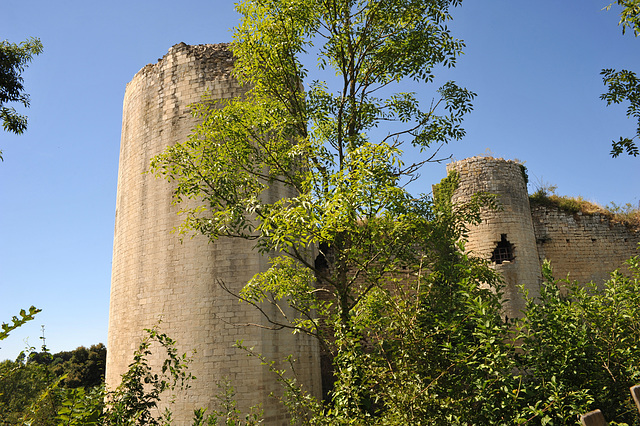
<point x="546" y="195"/>
<point x="525" y="174"/>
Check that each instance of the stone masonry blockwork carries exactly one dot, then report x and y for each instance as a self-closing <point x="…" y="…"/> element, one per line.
<point x="585" y="247"/>
<point x="157" y="277"/>
<point x="513" y="220"/>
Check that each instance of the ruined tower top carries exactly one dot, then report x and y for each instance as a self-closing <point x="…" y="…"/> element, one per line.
<point x="217" y="57"/>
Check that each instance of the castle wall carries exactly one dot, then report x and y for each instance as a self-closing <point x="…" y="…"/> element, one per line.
<point x="509" y="228"/>
<point x="155" y="276"/>
<point x="585" y="247"/>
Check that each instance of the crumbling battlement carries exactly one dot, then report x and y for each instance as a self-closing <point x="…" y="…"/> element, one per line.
<point x="217" y="58"/>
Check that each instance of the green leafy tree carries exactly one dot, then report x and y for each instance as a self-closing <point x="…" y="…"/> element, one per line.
<point x="28" y="393"/>
<point x="624" y="86"/>
<point x="83" y="367"/>
<point x="629" y="15"/>
<point x="377" y="274"/>
<point x="347" y="224"/>
<point x="20" y="387"/>
<point x="81" y="407"/>
<point x="582" y="344"/>
<point x="13" y="61"/>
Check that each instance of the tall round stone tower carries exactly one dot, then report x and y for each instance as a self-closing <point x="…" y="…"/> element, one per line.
<point x="505" y="237"/>
<point x="157" y="277"/>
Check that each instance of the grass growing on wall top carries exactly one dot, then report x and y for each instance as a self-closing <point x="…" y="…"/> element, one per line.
<point x="546" y="195"/>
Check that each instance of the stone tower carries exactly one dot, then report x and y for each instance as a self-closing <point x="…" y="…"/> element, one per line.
<point x="505" y="237"/>
<point x="155" y="276"/>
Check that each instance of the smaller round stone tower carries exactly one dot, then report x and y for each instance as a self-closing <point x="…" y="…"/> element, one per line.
<point x="505" y="237"/>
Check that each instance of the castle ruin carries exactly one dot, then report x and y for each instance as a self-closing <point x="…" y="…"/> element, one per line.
<point x="156" y="276"/>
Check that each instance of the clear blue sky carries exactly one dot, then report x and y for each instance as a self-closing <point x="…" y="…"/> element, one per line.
<point x="534" y="65"/>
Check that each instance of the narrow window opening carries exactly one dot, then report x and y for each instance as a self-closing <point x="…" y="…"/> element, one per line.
<point x="321" y="262"/>
<point x="503" y="251"/>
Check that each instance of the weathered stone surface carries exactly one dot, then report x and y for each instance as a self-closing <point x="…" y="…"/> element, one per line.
<point x="155" y="276"/>
<point x="593" y="418"/>
<point x="504" y="179"/>
<point x="585" y="247"/>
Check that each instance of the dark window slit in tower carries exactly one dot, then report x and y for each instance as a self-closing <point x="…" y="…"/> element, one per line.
<point x="321" y="262"/>
<point x="503" y="251"/>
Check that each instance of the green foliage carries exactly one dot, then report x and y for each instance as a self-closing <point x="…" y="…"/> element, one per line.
<point x="315" y="142"/>
<point x="228" y="414"/>
<point x="18" y="321"/>
<point x="580" y="347"/>
<point x="31" y="388"/>
<point x="443" y="191"/>
<point x="629" y="16"/>
<point x="43" y="409"/>
<point x="83" y="367"/>
<point x="446" y="357"/>
<point x="525" y="174"/>
<point x="345" y="188"/>
<point x="20" y="386"/>
<point x="624" y="85"/>
<point x="81" y="407"/>
<point x="13" y="60"/>
<point x="137" y="396"/>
